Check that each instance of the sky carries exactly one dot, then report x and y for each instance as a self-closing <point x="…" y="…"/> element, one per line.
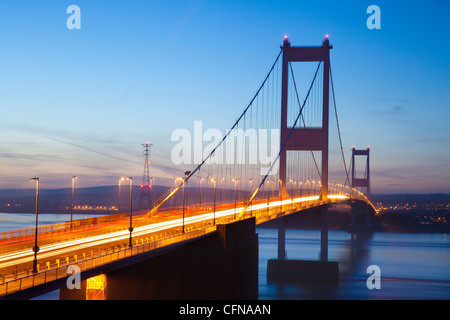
<point x="83" y="101"/>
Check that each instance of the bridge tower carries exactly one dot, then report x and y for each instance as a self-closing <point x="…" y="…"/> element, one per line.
<point x="361" y="182"/>
<point x="306" y="139"/>
<point x="145" y="200"/>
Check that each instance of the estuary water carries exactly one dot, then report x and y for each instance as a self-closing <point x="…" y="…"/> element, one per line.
<point x="14" y="221"/>
<point x="412" y="265"/>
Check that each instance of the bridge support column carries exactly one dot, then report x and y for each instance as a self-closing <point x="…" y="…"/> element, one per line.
<point x="281" y="239"/>
<point x="304" y="271"/>
<point x="359" y="217"/>
<point x="324" y="234"/>
<point x="222" y="265"/>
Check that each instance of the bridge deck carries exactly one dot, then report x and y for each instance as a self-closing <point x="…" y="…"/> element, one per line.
<point x="97" y="245"/>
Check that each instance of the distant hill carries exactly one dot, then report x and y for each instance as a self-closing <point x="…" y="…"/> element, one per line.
<point x="402" y="197"/>
<point x="58" y="200"/>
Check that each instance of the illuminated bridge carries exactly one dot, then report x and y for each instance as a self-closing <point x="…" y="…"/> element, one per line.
<point x="198" y="241"/>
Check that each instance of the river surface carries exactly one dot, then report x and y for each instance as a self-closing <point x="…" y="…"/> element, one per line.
<point x="412" y="265"/>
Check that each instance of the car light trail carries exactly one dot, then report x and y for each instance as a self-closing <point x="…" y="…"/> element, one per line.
<point x="58" y="249"/>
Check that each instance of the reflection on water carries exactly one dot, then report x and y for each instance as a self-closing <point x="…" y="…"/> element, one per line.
<point x="413" y="266"/>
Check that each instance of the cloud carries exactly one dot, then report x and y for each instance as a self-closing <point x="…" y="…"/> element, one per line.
<point x="95" y="151"/>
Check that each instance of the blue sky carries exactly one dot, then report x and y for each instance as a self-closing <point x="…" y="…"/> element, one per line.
<point x="81" y="102"/>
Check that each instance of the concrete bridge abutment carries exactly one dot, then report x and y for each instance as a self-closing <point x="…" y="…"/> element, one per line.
<point x="222" y="265"/>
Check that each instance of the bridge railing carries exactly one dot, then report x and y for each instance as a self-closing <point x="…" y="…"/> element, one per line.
<point x="95" y="261"/>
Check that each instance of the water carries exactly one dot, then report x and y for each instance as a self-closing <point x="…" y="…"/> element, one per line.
<point x="13" y="221"/>
<point x="413" y="265"/>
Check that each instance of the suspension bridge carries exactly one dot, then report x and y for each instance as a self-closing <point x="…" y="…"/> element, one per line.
<point x="283" y="155"/>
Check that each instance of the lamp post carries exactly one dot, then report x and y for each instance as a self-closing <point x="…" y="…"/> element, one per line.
<point x="215" y="184"/>
<point x="221" y="190"/>
<point x="292" y="189"/>
<point x="235" y="182"/>
<point x="251" y="193"/>
<point x="186" y="174"/>
<point x="300" y="186"/>
<point x="71" y="204"/>
<point x="131" y="210"/>
<point x="201" y="179"/>
<point x="314" y="187"/>
<point x="36" y="248"/>
<point x="118" y="204"/>
<point x="181" y="179"/>
<point x="281" y="194"/>
<point x="273" y="195"/>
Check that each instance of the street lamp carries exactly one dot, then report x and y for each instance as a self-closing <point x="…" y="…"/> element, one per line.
<point x="221" y="189"/>
<point x="215" y="184"/>
<point x="131" y="209"/>
<point x="71" y="205"/>
<point x="201" y="179"/>
<point x="292" y="189"/>
<point x="36" y="248"/>
<point x="235" y="182"/>
<point x="186" y="174"/>
<point x="118" y="204"/>
<point x="300" y="186"/>
<point x="273" y="196"/>
<point x="251" y="193"/>
<point x="309" y="187"/>
<point x="281" y="194"/>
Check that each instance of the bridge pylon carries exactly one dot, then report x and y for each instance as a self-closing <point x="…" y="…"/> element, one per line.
<point x="307" y="138"/>
<point x="365" y="181"/>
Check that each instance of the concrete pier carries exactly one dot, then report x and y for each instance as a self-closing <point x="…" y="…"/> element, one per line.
<point x="302" y="271"/>
<point x="285" y="270"/>
<point x="223" y="265"/>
